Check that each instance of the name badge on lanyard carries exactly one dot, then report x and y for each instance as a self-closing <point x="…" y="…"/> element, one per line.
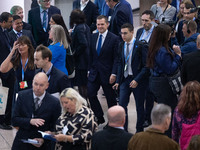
<point x="127" y="58"/>
<point x="23" y="84"/>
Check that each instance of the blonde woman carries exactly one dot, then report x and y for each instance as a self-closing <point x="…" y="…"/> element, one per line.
<point x="58" y="47"/>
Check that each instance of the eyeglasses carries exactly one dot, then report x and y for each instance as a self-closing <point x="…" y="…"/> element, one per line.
<point x="124" y="33"/>
<point x="45" y="1"/>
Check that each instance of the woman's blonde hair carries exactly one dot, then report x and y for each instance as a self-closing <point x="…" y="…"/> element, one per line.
<point x="73" y="95"/>
<point x="59" y="35"/>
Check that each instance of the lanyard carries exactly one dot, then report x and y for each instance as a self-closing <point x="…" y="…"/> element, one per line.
<point x="148" y="35"/>
<point x="24" y="68"/>
<point x="126" y="59"/>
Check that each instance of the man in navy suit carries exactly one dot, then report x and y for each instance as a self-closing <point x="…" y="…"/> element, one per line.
<point x="35" y="110"/>
<point x="144" y="34"/>
<point x="8" y="78"/>
<point x="58" y="80"/>
<point x="132" y="74"/>
<point x="90" y="10"/>
<point x="39" y="19"/>
<point x="18" y="31"/>
<point x="122" y="13"/>
<point x="103" y="66"/>
<point x="113" y="137"/>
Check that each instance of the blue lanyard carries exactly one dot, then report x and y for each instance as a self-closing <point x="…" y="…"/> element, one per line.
<point x="148" y="35"/>
<point x="126" y="59"/>
<point x="24" y="68"/>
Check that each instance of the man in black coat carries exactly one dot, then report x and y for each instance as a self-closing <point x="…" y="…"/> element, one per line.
<point x="113" y="137"/>
<point x="58" y="80"/>
<point x="18" y="31"/>
<point x="35" y="110"/>
<point x="8" y="78"/>
<point x="191" y="69"/>
<point x="39" y="19"/>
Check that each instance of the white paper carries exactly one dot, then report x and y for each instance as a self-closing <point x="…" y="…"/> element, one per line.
<point x="65" y="129"/>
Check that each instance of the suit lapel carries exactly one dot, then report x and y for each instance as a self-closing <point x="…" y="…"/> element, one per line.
<point x="105" y="43"/>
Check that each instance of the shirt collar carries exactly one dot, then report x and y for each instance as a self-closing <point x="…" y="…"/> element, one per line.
<point x="104" y="34"/>
<point x="16" y="31"/>
<point x="131" y="42"/>
<point x="83" y="4"/>
<point x="41" y="10"/>
<point x="40" y="97"/>
<point x="49" y="71"/>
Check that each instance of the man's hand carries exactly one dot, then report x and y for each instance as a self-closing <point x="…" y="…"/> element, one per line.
<point x="112" y="79"/>
<point x="115" y="87"/>
<point x="133" y="84"/>
<point x="40" y="142"/>
<point x="37" y="122"/>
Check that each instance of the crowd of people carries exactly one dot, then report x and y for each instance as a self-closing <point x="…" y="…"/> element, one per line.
<point x="104" y="53"/>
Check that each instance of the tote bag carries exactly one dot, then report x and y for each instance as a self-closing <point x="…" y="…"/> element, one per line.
<point x="3" y="98"/>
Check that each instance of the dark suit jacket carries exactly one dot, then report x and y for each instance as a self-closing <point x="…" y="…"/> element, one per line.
<point x="120" y="16"/>
<point x="190" y="68"/>
<point x="49" y="110"/>
<point x="111" y="139"/>
<point x="58" y="81"/>
<point x="27" y="26"/>
<point x="91" y="13"/>
<point x="13" y="37"/>
<point x="40" y="36"/>
<point x="80" y="44"/>
<point x="106" y="63"/>
<point x="138" y="64"/>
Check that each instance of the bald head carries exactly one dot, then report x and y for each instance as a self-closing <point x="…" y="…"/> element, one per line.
<point x="40" y="83"/>
<point x="198" y="42"/>
<point x="116" y="116"/>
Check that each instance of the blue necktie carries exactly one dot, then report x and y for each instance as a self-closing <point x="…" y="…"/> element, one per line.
<point x="99" y="44"/>
<point x="44" y="23"/>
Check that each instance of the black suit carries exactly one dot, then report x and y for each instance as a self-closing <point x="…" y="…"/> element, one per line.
<point x="111" y="138"/>
<point x="27" y="26"/>
<point x="34" y="19"/>
<point x="13" y="37"/>
<point x="58" y="81"/>
<point x="24" y="111"/>
<point x="101" y="68"/>
<point x="190" y="70"/>
<point x="8" y="78"/>
<point x="90" y="11"/>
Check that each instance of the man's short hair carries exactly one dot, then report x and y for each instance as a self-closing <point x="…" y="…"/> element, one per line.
<point x="150" y="13"/>
<point x="15" y="9"/>
<point x="189" y="5"/>
<point x="5" y="16"/>
<point x="45" y="51"/>
<point x="159" y="114"/>
<point x="15" y="17"/>
<point x="102" y="17"/>
<point x="128" y="25"/>
<point x="191" y="25"/>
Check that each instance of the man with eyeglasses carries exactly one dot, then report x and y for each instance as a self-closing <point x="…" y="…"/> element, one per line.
<point x="39" y="19"/>
<point x="132" y="74"/>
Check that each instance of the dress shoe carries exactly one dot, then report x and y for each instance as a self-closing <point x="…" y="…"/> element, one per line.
<point x="5" y="126"/>
<point x="146" y="123"/>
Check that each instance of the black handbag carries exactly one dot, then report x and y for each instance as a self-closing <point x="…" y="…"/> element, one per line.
<point x="70" y="63"/>
<point x="175" y="82"/>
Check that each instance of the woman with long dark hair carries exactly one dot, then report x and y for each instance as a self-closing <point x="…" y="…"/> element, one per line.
<point x="162" y="62"/>
<point x="80" y="34"/>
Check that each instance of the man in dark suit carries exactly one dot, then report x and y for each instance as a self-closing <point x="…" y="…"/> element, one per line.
<point x="113" y="137"/>
<point x="18" y="31"/>
<point x="121" y="14"/>
<point x="35" y="110"/>
<point x="17" y="10"/>
<point x="103" y="66"/>
<point x="144" y="34"/>
<point x="8" y="78"/>
<point x="58" y="80"/>
<point x="39" y="19"/>
<point x="132" y="74"/>
<point x="90" y="10"/>
<point x="190" y="70"/>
